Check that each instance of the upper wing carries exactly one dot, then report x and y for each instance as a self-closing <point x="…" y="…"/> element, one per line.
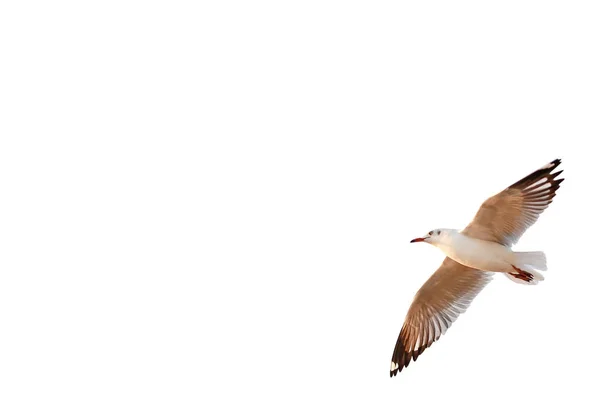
<point x="504" y="217"/>
<point x="446" y="294"/>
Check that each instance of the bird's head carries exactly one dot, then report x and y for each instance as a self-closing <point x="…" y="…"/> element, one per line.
<point x="435" y="236"/>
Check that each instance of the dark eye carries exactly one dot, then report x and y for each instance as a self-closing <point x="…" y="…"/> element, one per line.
<point x="430" y="233"/>
<point x="438" y="232"/>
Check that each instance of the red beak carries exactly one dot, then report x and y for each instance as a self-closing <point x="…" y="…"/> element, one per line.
<point x="419" y="239"/>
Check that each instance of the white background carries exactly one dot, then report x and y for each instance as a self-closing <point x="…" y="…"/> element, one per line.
<point x="218" y="196"/>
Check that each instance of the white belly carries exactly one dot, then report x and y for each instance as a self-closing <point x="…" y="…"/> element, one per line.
<point x="479" y="254"/>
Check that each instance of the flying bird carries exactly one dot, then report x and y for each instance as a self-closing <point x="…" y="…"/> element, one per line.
<point x="473" y="255"/>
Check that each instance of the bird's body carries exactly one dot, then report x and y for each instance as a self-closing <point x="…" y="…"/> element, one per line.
<point x="476" y="253"/>
<point x="473" y="255"/>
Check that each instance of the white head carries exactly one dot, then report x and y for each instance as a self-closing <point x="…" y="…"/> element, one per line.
<point x="436" y="236"/>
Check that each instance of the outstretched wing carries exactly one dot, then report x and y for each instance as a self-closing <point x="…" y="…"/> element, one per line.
<point x="504" y="217"/>
<point x="445" y="295"/>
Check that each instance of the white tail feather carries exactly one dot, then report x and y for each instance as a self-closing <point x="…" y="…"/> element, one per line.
<point x="530" y="262"/>
<point x="535" y="259"/>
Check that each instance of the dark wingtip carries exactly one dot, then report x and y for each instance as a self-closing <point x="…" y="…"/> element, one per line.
<point x="536" y="175"/>
<point x="553" y="164"/>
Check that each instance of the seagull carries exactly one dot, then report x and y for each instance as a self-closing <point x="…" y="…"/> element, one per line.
<point x="473" y="255"/>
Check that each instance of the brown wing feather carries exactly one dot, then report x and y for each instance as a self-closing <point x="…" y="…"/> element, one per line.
<point x="445" y="295"/>
<point x="504" y="217"/>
